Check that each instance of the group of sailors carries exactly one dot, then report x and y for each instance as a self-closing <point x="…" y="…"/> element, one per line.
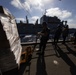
<point x="60" y="30"/>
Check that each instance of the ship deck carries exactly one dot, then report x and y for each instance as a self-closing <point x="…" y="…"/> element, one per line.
<point x="57" y="60"/>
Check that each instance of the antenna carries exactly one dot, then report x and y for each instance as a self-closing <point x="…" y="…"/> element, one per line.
<point x="45" y="12"/>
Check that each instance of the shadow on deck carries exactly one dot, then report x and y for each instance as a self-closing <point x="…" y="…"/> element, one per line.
<point x="57" y="60"/>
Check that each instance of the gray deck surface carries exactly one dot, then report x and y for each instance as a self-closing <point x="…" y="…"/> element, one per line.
<point x="59" y="60"/>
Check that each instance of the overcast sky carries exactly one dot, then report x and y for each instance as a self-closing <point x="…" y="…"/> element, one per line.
<point x="34" y="9"/>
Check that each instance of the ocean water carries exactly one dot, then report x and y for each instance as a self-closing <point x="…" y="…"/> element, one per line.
<point x="34" y="38"/>
<point x="28" y="38"/>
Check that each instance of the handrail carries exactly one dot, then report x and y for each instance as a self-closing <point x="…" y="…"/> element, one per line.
<point x="34" y="43"/>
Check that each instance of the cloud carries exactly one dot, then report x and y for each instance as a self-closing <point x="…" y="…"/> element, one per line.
<point x="62" y="14"/>
<point x="20" y="19"/>
<point x="33" y="19"/>
<point x="72" y="25"/>
<point x="46" y="2"/>
<point x="16" y="3"/>
<point x="20" y="5"/>
<point x="39" y="4"/>
<point x="72" y="22"/>
<point x="28" y="4"/>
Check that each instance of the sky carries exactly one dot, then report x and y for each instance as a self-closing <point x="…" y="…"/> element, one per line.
<point x="35" y="9"/>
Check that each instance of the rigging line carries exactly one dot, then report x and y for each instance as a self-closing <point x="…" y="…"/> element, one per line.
<point x="26" y="10"/>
